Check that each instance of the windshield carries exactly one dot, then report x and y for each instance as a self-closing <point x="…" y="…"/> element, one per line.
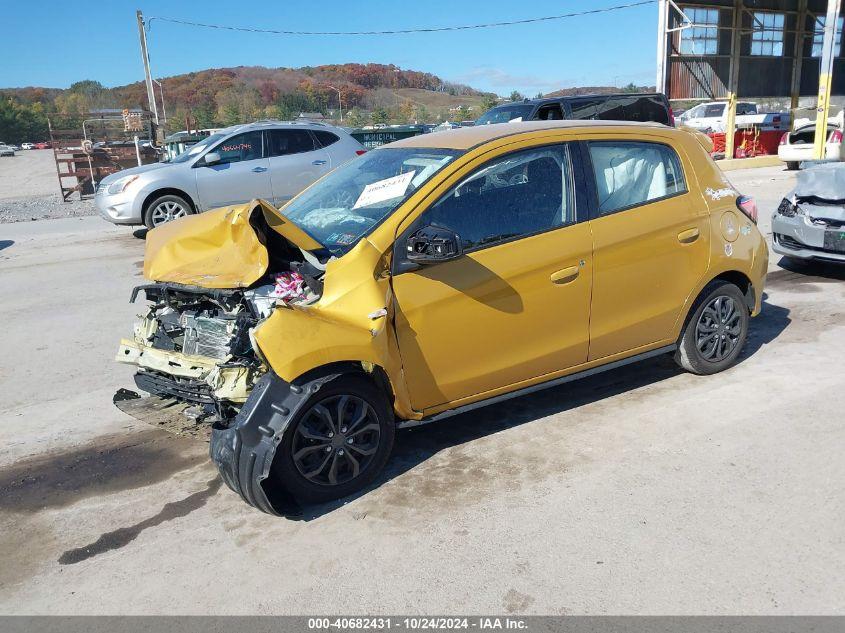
<point x="352" y="200"/>
<point x="505" y="113"/>
<point x="197" y="148"/>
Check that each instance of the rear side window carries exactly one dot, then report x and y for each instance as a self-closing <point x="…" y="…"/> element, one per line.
<point x="633" y="108"/>
<point x="629" y="174"/>
<point x="515" y="195"/>
<point x="284" y="142"/>
<point x="325" y="138"/>
<point x="240" y="147"/>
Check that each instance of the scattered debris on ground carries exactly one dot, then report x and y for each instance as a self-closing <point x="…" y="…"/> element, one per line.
<point x="44" y="208"/>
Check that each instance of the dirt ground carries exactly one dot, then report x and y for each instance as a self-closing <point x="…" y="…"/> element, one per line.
<point x="29" y="189"/>
<point x="640" y="491"/>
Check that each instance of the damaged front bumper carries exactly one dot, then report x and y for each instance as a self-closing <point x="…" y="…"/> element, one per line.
<point x="191" y="378"/>
<point x="810" y="234"/>
<point x="244" y="450"/>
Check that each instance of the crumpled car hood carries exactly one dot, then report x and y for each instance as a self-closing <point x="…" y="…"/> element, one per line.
<point x="825" y="182"/>
<point x="219" y="248"/>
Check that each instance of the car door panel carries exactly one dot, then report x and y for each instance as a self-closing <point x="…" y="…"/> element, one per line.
<point x="238" y="178"/>
<point x="499" y="314"/>
<point x="647" y="259"/>
<point x="495" y="317"/>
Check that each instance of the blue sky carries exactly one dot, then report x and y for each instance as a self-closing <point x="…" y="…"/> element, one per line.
<point x="53" y="44"/>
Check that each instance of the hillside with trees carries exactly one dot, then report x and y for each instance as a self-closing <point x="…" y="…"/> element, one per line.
<point x="370" y="93"/>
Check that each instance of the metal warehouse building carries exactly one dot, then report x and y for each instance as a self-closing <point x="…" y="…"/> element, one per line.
<point x="730" y="49"/>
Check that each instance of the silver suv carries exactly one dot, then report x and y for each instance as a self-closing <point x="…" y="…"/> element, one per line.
<point x="272" y="160"/>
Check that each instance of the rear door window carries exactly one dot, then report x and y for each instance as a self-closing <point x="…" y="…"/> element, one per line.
<point x="713" y="110"/>
<point x="550" y="112"/>
<point x="584" y="107"/>
<point x="629" y="174"/>
<point x="285" y="142"/>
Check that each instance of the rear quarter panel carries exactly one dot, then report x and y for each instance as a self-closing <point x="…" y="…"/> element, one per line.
<point x="736" y="243"/>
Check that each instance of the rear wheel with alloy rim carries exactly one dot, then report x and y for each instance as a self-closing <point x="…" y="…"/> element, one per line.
<point x="715" y="333"/>
<point x="338" y="443"/>
<point x="166" y="209"/>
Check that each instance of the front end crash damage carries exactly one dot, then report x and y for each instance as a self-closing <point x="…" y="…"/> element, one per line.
<point x="810" y="222"/>
<point x="244" y="450"/>
<point x="250" y="354"/>
<point x="194" y="345"/>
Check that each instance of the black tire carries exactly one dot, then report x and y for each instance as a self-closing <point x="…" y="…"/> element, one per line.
<point x="154" y="208"/>
<point x="698" y="351"/>
<point x="792" y="165"/>
<point x="287" y="472"/>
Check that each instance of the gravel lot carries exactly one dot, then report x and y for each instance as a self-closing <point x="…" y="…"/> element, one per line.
<point x="640" y="491"/>
<point x="29" y="189"/>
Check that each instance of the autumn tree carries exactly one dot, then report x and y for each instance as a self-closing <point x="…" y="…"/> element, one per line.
<point x="407" y="111"/>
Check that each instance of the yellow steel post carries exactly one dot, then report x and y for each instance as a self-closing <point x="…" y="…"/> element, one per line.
<point x="825" y="77"/>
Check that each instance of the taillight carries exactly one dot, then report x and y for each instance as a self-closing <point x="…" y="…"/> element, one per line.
<point x="748" y="206"/>
<point x="784" y="138"/>
<point x="359" y="152"/>
<point x="836" y="136"/>
<point x="671" y="117"/>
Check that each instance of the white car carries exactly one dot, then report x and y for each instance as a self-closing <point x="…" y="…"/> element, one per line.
<point x="27" y="145"/>
<point x="712" y="117"/>
<point x="6" y="150"/>
<point x="798" y="146"/>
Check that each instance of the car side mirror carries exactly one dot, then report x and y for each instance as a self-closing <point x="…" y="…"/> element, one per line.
<point x="212" y="158"/>
<point x="433" y="244"/>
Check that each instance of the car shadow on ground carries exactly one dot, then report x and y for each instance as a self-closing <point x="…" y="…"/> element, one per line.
<point x="141" y="234"/>
<point x="6" y="244"/>
<point x="811" y="269"/>
<point x="416" y="445"/>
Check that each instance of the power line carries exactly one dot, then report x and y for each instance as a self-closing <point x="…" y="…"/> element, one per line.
<point x="437" y="29"/>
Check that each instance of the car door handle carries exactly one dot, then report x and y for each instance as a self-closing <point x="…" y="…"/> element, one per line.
<point x="319" y="162"/>
<point x="688" y="236"/>
<point x="565" y="275"/>
<point x="258" y="170"/>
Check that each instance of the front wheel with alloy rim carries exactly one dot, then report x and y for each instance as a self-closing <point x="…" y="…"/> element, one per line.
<point x="716" y="331"/>
<point x="166" y="208"/>
<point x="338" y="442"/>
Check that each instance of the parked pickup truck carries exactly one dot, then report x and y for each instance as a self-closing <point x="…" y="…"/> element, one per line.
<point x="712" y="117"/>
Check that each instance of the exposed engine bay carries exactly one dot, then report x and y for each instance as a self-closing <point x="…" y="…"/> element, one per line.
<point x="195" y="344"/>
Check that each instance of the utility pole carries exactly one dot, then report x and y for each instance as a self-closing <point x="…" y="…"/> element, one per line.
<point x="142" y="35"/>
<point x="339" y="101"/>
<point x="662" y="25"/>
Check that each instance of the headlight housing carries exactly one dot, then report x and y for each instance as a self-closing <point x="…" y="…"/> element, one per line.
<point x="120" y="185"/>
<point x="787" y="208"/>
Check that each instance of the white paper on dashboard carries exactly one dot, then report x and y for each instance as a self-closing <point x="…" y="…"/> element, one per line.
<point x="386" y="189"/>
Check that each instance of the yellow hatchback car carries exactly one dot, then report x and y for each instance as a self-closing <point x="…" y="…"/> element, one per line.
<point x="435" y="275"/>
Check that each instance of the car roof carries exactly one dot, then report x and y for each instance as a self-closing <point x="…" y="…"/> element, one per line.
<point x="466" y="137"/>
<point x="273" y="123"/>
